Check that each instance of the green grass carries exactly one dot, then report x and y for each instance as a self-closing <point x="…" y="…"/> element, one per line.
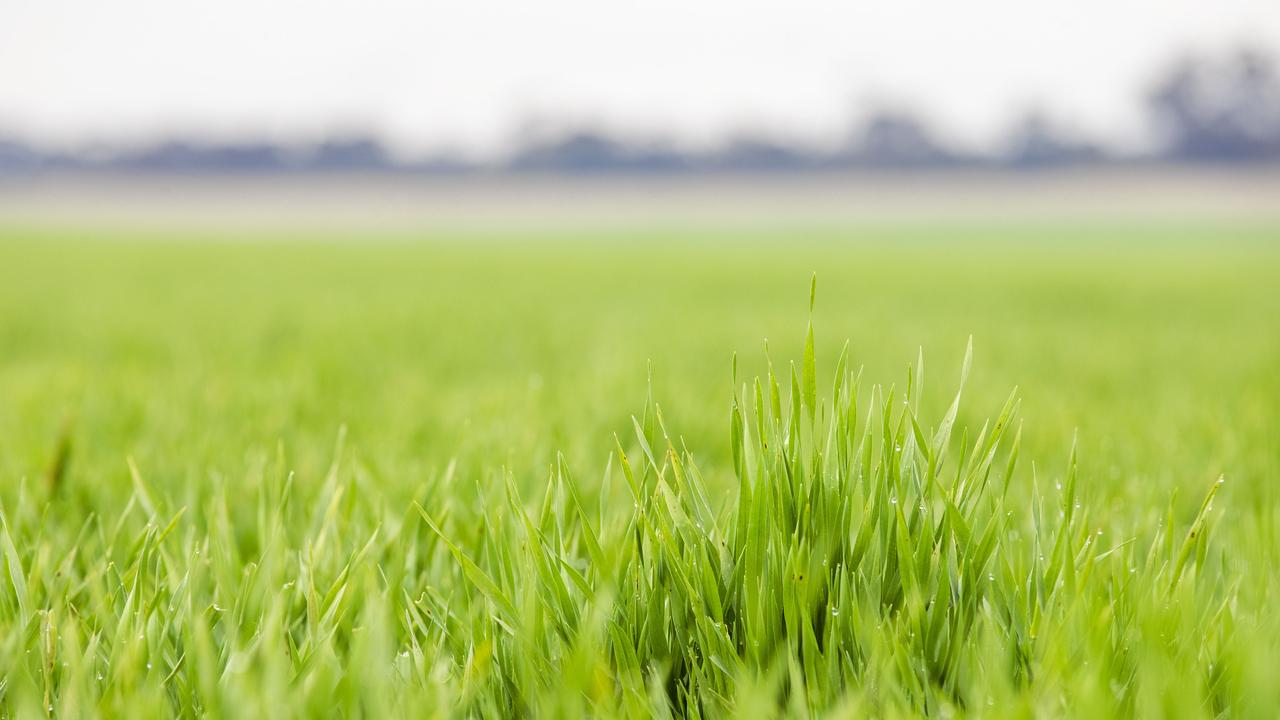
<point x="528" y="475"/>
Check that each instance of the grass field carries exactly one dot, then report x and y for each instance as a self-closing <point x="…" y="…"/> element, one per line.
<point x="523" y="474"/>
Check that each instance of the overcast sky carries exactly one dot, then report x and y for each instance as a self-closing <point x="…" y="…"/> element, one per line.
<point x="471" y="73"/>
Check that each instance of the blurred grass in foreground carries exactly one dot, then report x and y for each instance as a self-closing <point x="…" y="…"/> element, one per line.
<point x="219" y="364"/>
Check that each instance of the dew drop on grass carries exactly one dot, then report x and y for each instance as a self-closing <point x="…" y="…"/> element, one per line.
<point x="835" y="612"/>
<point x="893" y="500"/>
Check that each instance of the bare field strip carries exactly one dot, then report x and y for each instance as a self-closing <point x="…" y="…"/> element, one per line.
<point x="352" y="202"/>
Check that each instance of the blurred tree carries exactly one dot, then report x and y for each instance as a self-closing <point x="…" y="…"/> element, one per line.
<point x="759" y="154"/>
<point x="354" y="153"/>
<point x="591" y="151"/>
<point x="1220" y="110"/>
<point x="1037" y="141"/>
<point x="894" y="138"/>
<point x="186" y="156"/>
<point x="17" y="157"/>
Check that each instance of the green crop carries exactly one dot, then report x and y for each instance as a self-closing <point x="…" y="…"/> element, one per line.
<point x="508" y="526"/>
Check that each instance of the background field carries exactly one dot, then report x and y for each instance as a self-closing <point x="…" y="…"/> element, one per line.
<point x="1161" y="345"/>
<point x="200" y="354"/>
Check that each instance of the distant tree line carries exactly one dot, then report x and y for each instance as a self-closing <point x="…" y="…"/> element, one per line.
<point x="1223" y="109"/>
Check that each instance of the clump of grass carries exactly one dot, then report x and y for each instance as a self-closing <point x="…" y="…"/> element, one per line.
<point x="869" y="563"/>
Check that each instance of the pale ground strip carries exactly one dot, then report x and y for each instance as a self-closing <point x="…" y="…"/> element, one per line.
<point x="412" y="203"/>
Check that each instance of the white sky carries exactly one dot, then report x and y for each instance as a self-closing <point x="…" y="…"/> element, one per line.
<point x="471" y="73"/>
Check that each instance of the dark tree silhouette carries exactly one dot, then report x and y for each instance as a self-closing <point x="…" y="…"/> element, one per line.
<point x="898" y="139"/>
<point x="17" y="157"/>
<point x="349" y="154"/>
<point x="1036" y="141"/>
<point x="589" y="151"/>
<point x="758" y="154"/>
<point x="184" y="156"/>
<point x="1226" y="109"/>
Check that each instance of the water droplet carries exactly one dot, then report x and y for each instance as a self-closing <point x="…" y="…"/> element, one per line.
<point x="893" y="500"/>
<point x="836" y="611"/>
